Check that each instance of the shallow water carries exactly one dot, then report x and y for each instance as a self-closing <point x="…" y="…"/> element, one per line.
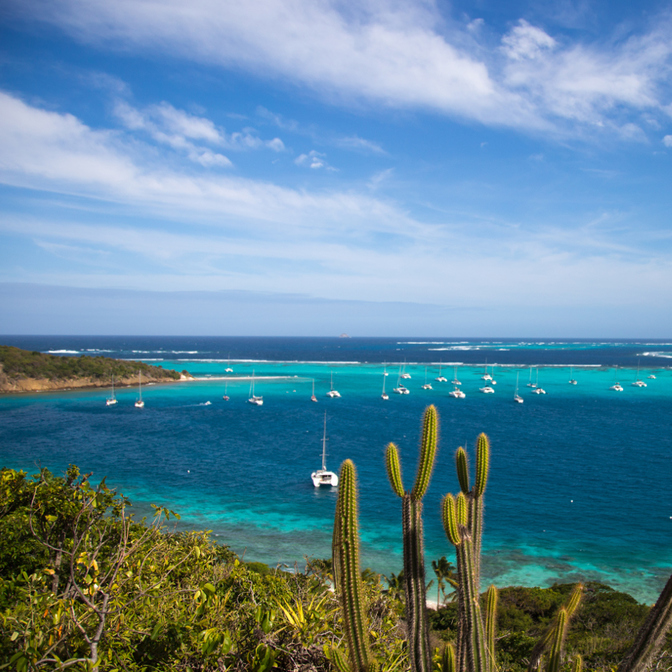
<point x="580" y="478"/>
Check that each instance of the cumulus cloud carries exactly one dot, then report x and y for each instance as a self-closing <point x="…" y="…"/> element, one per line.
<point x="667" y="141"/>
<point x="313" y="160"/>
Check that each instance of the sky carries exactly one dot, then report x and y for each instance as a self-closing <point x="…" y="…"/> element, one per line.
<point x="314" y="167"/>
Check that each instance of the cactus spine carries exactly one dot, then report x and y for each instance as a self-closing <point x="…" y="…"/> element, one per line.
<point x="347" y="575"/>
<point x="411" y="521"/>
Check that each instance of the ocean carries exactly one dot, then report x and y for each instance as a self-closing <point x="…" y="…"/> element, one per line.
<point x="580" y="480"/>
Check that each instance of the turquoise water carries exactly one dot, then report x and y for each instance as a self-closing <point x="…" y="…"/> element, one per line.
<point x="580" y="478"/>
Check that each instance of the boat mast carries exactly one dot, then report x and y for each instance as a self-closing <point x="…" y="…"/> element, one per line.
<point x="324" y="444"/>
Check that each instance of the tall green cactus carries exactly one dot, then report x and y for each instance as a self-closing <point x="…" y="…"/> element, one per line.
<point x="411" y="521"/>
<point x="347" y="576"/>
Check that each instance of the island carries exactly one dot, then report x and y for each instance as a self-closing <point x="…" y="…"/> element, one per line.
<point x="26" y="371"/>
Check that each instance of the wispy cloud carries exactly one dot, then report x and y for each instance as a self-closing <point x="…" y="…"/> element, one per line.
<point x="398" y="54"/>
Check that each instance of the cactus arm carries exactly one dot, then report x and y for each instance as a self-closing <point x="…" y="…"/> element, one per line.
<point x="447" y="663"/>
<point x="462" y="468"/>
<point x="578" y="664"/>
<point x="430" y="429"/>
<point x="558" y="639"/>
<point x="490" y="619"/>
<point x="346" y="569"/>
<point x="449" y="519"/>
<point x="482" y="464"/>
<point x="393" y="468"/>
<point x="651" y="634"/>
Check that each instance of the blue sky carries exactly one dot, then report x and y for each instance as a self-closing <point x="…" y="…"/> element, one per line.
<point x="312" y="167"/>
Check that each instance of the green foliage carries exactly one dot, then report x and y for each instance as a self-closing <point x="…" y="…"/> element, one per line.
<point x="19" y="364"/>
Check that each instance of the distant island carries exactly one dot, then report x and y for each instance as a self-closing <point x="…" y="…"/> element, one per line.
<point x="26" y="371"/>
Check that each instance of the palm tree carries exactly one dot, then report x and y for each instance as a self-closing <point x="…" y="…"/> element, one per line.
<point x="445" y="573"/>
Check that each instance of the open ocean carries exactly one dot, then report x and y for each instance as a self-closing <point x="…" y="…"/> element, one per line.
<point x="580" y="483"/>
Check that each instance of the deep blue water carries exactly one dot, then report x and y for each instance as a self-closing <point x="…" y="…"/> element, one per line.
<point x="580" y="477"/>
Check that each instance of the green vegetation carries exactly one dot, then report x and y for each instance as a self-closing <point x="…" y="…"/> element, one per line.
<point x="19" y="364"/>
<point x="86" y="586"/>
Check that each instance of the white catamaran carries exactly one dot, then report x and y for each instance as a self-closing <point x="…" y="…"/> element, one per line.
<point x="111" y="400"/>
<point x="322" y="476"/>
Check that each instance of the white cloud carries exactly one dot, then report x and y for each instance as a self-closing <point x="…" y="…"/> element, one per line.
<point x="313" y="159"/>
<point x="526" y="42"/>
<point x="667" y="141"/>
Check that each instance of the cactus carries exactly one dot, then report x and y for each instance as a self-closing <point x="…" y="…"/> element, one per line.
<point x="411" y="521"/>
<point x="651" y="634"/>
<point x="347" y="577"/>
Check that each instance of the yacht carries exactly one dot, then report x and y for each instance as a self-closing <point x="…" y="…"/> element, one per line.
<point x="455" y="380"/>
<point x="426" y="386"/>
<point x="516" y="397"/>
<point x="111" y="400"/>
<point x="139" y="403"/>
<point x="312" y="396"/>
<point x="572" y="380"/>
<point x="530" y="383"/>
<point x="332" y="392"/>
<point x="487" y="389"/>
<point x="457" y="393"/>
<point x="322" y="476"/>
<point x="617" y="387"/>
<point x="440" y="378"/>
<point x="254" y="399"/>
<point x="384" y="395"/>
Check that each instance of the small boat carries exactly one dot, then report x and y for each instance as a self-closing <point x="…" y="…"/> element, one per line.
<point x="400" y="389"/>
<point x="405" y="375"/>
<point x="492" y="379"/>
<point x="617" y="387"/>
<point x="384" y="395"/>
<point x="385" y="373"/>
<point x="225" y="396"/>
<point x="111" y="400"/>
<point x="254" y="399"/>
<point x="312" y="396"/>
<point x="651" y="376"/>
<point x="228" y="368"/>
<point x="332" y="392"/>
<point x="457" y="393"/>
<point x="487" y="389"/>
<point x="572" y="380"/>
<point x="516" y="397"/>
<point x="538" y="390"/>
<point x="530" y="383"/>
<point x="139" y="403"/>
<point x="638" y="381"/>
<point x="455" y="380"/>
<point x="426" y="386"/>
<point x="440" y="378"/>
<point x="322" y="476"/>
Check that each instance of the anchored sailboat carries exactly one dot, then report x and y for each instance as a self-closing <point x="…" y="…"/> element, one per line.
<point x="332" y="392"/>
<point x="254" y="399"/>
<point x="139" y="403"/>
<point x="312" y="396"/>
<point x="322" y="476"/>
<point x="111" y="400"/>
<point x="384" y="395"/>
<point x="516" y="397"/>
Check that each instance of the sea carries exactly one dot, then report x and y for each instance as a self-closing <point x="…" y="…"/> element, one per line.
<point x="580" y="484"/>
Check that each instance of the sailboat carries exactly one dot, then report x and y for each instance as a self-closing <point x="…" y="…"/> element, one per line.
<point x="385" y="373"/>
<point x="486" y="375"/>
<point x="440" y="378"/>
<point x="457" y="393"/>
<point x="492" y="376"/>
<point x="404" y="374"/>
<point x="455" y="380"/>
<point x="572" y="380"/>
<point x="537" y="389"/>
<point x="332" y="392"/>
<point x="112" y="400"/>
<point x="638" y="382"/>
<point x="228" y="365"/>
<point x="226" y="390"/>
<point x="530" y="383"/>
<point x="312" y="396"/>
<point x="254" y="399"/>
<point x="322" y="476"/>
<point x="516" y="397"/>
<point x="400" y="389"/>
<point x="616" y="387"/>
<point x="426" y="386"/>
<point x="384" y="395"/>
<point x="139" y="403"/>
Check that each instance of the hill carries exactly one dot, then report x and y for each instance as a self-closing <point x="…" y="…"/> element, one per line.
<point x="25" y="371"/>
